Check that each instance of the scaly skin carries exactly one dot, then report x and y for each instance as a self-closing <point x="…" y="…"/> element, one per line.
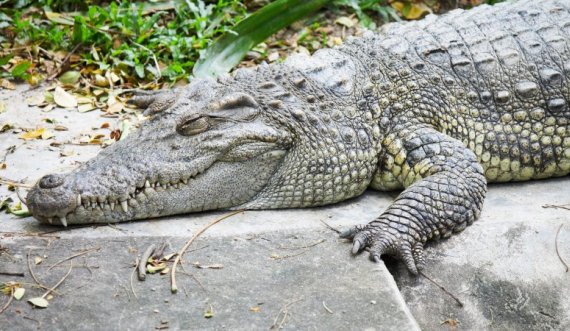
<point x="436" y="107"/>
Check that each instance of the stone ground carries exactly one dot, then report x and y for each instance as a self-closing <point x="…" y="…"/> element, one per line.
<point x="278" y="268"/>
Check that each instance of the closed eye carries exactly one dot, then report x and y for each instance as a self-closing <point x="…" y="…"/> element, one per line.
<point x="197" y="123"/>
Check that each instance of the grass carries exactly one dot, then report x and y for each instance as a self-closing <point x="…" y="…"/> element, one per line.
<point x="149" y="44"/>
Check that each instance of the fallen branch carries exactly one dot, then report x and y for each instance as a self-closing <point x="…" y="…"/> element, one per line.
<point x="443" y="289"/>
<point x="557" y="250"/>
<point x="144" y="259"/>
<point x="75" y="255"/>
<point x="173" y="287"/>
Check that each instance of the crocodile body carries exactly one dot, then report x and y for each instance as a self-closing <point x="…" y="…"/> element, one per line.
<point x="437" y="107"/>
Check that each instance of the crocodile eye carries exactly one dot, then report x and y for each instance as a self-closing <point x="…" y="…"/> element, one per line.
<point x="193" y="125"/>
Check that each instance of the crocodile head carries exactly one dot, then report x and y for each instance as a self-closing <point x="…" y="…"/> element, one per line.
<point x="218" y="144"/>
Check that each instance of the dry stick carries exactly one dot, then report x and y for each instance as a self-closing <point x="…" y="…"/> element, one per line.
<point x="94" y="249"/>
<point x="306" y="246"/>
<point x="32" y="271"/>
<point x="557" y="251"/>
<point x="443" y="289"/>
<point x="144" y="259"/>
<point x="330" y="227"/>
<point x="9" y="301"/>
<point x="173" y="287"/>
<point x="137" y="263"/>
<point x="556" y="207"/>
<point x="60" y="281"/>
<point x="10" y="273"/>
<point x="6" y="181"/>
<point x="285" y="311"/>
<point x="327" y="308"/>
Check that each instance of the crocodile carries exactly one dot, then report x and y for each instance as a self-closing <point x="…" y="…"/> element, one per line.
<point x="436" y="108"/>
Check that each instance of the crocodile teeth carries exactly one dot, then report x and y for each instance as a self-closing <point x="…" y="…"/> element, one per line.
<point x="79" y="199"/>
<point x="50" y="220"/>
<point x="185" y="181"/>
<point x="112" y="205"/>
<point x="125" y="206"/>
<point x="147" y="184"/>
<point x="63" y="221"/>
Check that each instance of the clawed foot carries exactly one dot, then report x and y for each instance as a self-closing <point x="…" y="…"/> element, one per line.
<point x="153" y="101"/>
<point x="380" y="239"/>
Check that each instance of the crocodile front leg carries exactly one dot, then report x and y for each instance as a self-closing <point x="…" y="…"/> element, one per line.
<point x="445" y="190"/>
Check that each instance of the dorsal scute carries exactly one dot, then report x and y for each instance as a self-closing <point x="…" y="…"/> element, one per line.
<point x="329" y="68"/>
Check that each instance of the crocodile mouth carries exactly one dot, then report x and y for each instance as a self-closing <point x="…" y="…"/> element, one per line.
<point x="89" y="208"/>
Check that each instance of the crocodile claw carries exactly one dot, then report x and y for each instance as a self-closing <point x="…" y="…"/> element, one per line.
<point x="380" y="242"/>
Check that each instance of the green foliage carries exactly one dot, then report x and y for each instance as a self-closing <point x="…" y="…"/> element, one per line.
<point x="365" y="8"/>
<point x="227" y="51"/>
<point x="148" y="40"/>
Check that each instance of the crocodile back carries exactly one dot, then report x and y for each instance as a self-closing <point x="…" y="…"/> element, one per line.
<point x="495" y="78"/>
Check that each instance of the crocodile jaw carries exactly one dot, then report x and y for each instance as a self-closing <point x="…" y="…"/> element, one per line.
<point x="219" y="185"/>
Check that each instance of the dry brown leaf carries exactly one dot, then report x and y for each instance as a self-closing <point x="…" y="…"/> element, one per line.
<point x="34" y="134"/>
<point x="116" y="107"/>
<point x="412" y="11"/>
<point x="7" y="84"/>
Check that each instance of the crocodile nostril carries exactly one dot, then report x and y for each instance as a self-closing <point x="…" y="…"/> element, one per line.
<point x="51" y="181"/>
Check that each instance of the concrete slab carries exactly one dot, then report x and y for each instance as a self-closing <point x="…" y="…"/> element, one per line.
<point x="504" y="268"/>
<point x="261" y="273"/>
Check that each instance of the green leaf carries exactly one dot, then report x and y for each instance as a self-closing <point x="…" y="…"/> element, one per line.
<point x="21" y="68"/>
<point x="4" y="60"/>
<point x="230" y="48"/>
<point x="70" y="77"/>
<point x="139" y="68"/>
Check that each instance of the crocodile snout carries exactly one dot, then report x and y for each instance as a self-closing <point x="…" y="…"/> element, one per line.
<point x="51" y="199"/>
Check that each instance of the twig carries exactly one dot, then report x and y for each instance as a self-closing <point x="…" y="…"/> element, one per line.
<point x="7" y="181"/>
<point x="288" y="256"/>
<point x="556" y="207"/>
<point x="64" y="62"/>
<point x="330" y="227"/>
<point x="443" y="289"/>
<point x="306" y="246"/>
<point x="173" y="287"/>
<point x="137" y="263"/>
<point x="10" y="273"/>
<point x="9" y="301"/>
<point x="32" y="271"/>
<point x="22" y="201"/>
<point x="60" y="281"/>
<point x="144" y="259"/>
<point x="75" y="255"/>
<point x="327" y="308"/>
<point x="285" y="311"/>
<point x="556" y="245"/>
